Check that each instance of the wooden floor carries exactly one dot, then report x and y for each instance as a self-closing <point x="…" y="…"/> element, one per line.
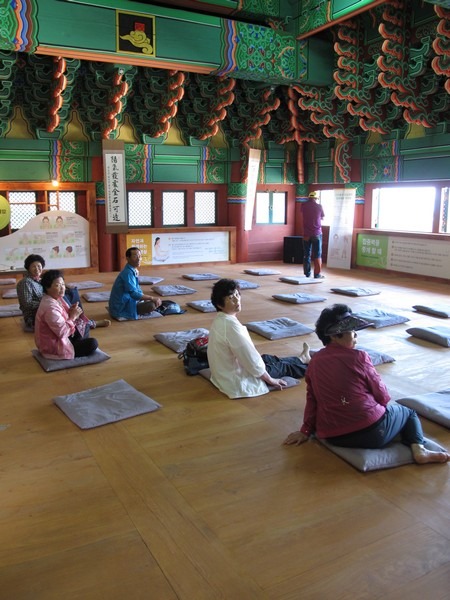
<point x="200" y="500"/>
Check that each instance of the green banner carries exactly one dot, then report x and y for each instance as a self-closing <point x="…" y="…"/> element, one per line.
<point x="372" y="250"/>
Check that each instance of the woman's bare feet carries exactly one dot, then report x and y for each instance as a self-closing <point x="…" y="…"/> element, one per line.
<point x="103" y="323"/>
<point x="423" y="456"/>
<point x="305" y="356"/>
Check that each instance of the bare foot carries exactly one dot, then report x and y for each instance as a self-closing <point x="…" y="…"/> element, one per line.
<point x="305" y="356"/>
<point x="423" y="456"/>
<point x="103" y="323"/>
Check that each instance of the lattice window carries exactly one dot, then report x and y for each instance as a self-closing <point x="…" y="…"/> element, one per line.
<point x="62" y="201"/>
<point x="24" y="207"/>
<point x="205" y="208"/>
<point x="173" y="209"/>
<point x="140" y="209"/>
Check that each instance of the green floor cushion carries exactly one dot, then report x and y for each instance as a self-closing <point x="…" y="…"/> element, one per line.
<point x="9" y="293"/>
<point x="105" y="404"/>
<point x="299" y="298"/>
<point x="290" y="381"/>
<point x="50" y="364"/>
<point x="261" y="272"/>
<point x="10" y="310"/>
<point x="435" y="335"/>
<point x="380" y="318"/>
<point x="276" y="329"/>
<point x="434" y="406"/>
<point x="300" y="280"/>
<point x="246" y="285"/>
<point x="149" y="279"/>
<point x="177" y="340"/>
<point x="202" y="305"/>
<point x="355" y="291"/>
<point x="96" y="296"/>
<point x="85" y="285"/>
<point x="393" y="455"/>
<point x="172" y="290"/>
<point x="434" y="311"/>
<point x="200" y="276"/>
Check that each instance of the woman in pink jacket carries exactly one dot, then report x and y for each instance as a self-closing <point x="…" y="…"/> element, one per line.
<point x="61" y="331"/>
<point x="346" y="402"/>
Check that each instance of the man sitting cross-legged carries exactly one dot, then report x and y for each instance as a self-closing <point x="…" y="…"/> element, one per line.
<point x="237" y="368"/>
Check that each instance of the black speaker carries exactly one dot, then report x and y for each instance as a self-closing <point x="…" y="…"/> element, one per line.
<point x="293" y="249"/>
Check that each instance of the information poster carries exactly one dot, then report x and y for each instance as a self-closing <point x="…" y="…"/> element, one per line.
<point x="372" y="251"/>
<point x="60" y="237"/>
<point x="341" y="229"/>
<point x="181" y="248"/>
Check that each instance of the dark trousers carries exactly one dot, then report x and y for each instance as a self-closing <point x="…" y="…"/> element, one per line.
<point x="397" y="420"/>
<point x="290" y="366"/>
<point x="312" y="245"/>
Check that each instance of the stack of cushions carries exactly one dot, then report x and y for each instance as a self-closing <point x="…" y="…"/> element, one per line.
<point x="276" y="329"/>
<point x="435" y="335"/>
<point x="380" y="318"/>
<point x="434" y="311"/>
<point x="355" y="291"/>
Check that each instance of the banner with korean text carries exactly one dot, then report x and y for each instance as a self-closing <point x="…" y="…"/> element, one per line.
<point x="115" y="186"/>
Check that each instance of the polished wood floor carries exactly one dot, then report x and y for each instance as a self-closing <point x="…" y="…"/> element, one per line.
<point x="200" y="500"/>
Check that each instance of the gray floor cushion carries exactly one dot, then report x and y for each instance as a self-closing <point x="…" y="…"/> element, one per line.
<point x="202" y="305"/>
<point x="8" y="281"/>
<point x="172" y="290"/>
<point x="434" y="311"/>
<point x="355" y="291"/>
<point x="300" y="280"/>
<point x="299" y="298"/>
<point x="261" y="272"/>
<point x="177" y="340"/>
<point x="105" y="404"/>
<point x="96" y="296"/>
<point x="149" y="279"/>
<point x="11" y="293"/>
<point x="57" y="365"/>
<point x="10" y="310"/>
<point x="377" y="358"/>
<point x="85" y="285"/>
<point x="434" y="406"/>
<point x="291" y="381"/>
<point x="153" y="315"/>
<point x="201" y="276"/>
<point x="246" y="285"/>
<point x="276" y="329"/>
<point x="393" y="455"/>
<point x="380" y="318"/>
<point x="435" y="335"/>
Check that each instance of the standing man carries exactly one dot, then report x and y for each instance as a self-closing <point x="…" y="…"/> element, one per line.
<point x="312" y="235"/>
<point x="127" y="301"/>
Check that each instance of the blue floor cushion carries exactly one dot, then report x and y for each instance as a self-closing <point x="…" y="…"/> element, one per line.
<point x="201" y="276"/>
<point x="105" y="404"/>
<point x="300" y="280"/>
<point x="202" y="305"/>
<point x="246" y="285"/>
<point x="436" y="335"/>
<point x="393" y="455"/>
<point x="177" y="340"/>
<point x="96" y="296"/>
<point x="435" y="311"/>
<point x="299" y="298"/>
<point x="50" y="364"/>
<point x="85" y="285"/>
<point x="10" y="310"/>
<point x="261" y="272"/>
<point x="355" y="291"/>
<point x="434" y="406"/>
<point x="380" y="318"/>
<point x="276" y="329"/>
<point x="172" y="290"/>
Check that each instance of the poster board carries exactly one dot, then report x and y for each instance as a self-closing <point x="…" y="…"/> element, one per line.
<point x="254" y="158"/>
<point x="341" y="229"/>
<point x="115" y="186"/>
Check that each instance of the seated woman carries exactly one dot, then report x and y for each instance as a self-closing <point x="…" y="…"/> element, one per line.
<point x="30" y="292"/>
<point x="346" y="402"/>
<point x="61" y="331"/>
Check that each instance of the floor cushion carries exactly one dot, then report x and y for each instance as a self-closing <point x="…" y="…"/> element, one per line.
<point x="355" y="291"/>
<point x="290" y="381"/>
<point x="8" y="281"/>
<point x="10" y="310"/>
<point x="96" y="296"/>
<point x="393" y="455"/>
<point x="177" y="340"/>
<point x="11" y="293"/>
<point x="172" y="290"/>
<point x="246" y="285"/>
<point x="85" y="285"/>
<point x="380" y="318"/>
<point x="202" y="305"/>
<point x="105" y="404"/>
<point x="434" y="406"/>
<point x="300" y="280"/>
<point x="276" y="329"/>
<point x="201" y="276"/>
<point x="261" y="272"/>
<point x="435" y="335"/>
<point x="377" y="358"/>
<point x="149" y="280"/>
<point x="153" y="315"/>
<point x="434" y="311"/>
<point x="299" y="298"/>
<point x="49" y="364"/>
